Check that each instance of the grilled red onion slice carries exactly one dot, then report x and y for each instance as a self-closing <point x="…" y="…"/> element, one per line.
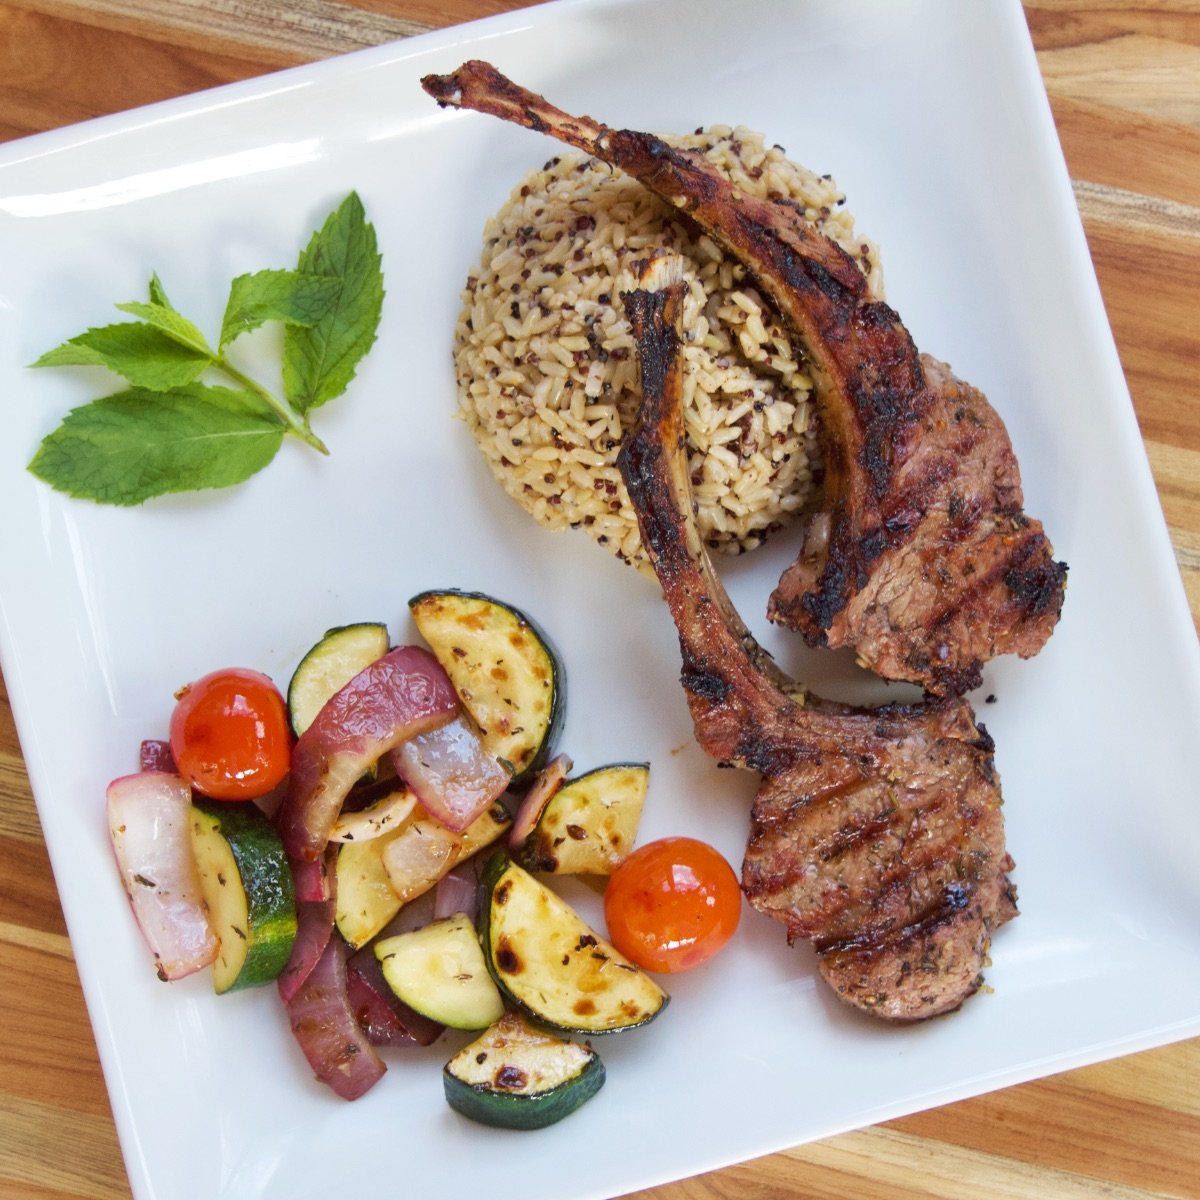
<point x="314" y="927"/>
<point x="155" y="755"/>
<point x="458" y="892"/>
<point x="313" y="880"/>
<point x="402" y="694"/>
<point x="149" y="824"/>
<point x="549" y="780"/>
<point x="314" y="921"/>
<point x="454" y="777"/>
<point x="324" y="1024"/>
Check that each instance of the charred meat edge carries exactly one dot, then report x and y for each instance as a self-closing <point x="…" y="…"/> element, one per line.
<point x="921" y="558"/>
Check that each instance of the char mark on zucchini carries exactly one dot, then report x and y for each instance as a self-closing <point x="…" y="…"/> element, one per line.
<point x="552" y="965"/>
<point x="519" y="1076"/>
<point x="876" y="834"/>
<point x="921" y="557"/>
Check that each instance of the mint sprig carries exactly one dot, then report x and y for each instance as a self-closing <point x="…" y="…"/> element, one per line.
<point x="171" y="430"/>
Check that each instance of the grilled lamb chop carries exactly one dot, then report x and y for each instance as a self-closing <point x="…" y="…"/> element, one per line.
<point x="876" y="833"/>
<point x="922" y="557"/>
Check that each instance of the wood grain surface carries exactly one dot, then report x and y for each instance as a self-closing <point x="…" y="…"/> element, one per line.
<point x="1124" y="84"/>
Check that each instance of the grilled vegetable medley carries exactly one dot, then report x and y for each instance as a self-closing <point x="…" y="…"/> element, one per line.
<point x="380" y="841"/>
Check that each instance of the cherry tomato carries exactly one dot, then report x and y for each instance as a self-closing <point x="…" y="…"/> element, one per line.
<point x="230" y="736"/>
<point x="672" y="904"/>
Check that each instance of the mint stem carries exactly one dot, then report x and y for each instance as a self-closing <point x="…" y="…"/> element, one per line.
<point x="298" y="425"/>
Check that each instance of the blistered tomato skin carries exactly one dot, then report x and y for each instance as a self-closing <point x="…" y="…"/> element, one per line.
<point x="230" y="735"/>
<point x="672" y="904"/>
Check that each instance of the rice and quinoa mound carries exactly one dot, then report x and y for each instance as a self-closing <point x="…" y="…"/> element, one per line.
<point x="547" y="369"/>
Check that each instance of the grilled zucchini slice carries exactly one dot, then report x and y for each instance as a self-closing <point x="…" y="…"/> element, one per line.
<point x="247" y="885"/>
<point x="589" y="825"/>
<point x="365" y="899"/>
<point x="329" y="666"/>
<point x="547" y="959"/>
<point x="439" y="971"/>
<point x="517" y="1076"/>
<point x="507" y="674"/>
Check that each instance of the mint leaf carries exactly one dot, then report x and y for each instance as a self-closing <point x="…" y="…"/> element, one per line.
<point x="287" y="296"/>
<point x="125" y="448"/>
<point x="177" y="327"/>
<point x="142" y="354"/>
<point x="319" y="362"/>
<point x="157" y="294"/>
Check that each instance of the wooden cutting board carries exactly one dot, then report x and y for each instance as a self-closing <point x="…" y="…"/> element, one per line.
<point x="1124" y="83"/>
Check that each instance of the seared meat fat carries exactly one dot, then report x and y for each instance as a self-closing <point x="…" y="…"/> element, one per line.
<point x="876" y="833"/>
<point x="922" y="557"/>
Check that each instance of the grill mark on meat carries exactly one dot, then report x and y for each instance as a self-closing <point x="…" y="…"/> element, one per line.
<point x="848" y="838"/>
<point x="880" y="865"/>
<point x="902" y="436"/>
<point x="875" y="834"/>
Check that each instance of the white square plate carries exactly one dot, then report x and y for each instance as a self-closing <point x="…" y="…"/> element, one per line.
<point x="932" y="117"/>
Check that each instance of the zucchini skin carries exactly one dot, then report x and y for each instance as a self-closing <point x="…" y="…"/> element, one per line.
<point x="496" y="1080"/>
<point x="524" y="772"/>
<point x="266" y="881"/>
